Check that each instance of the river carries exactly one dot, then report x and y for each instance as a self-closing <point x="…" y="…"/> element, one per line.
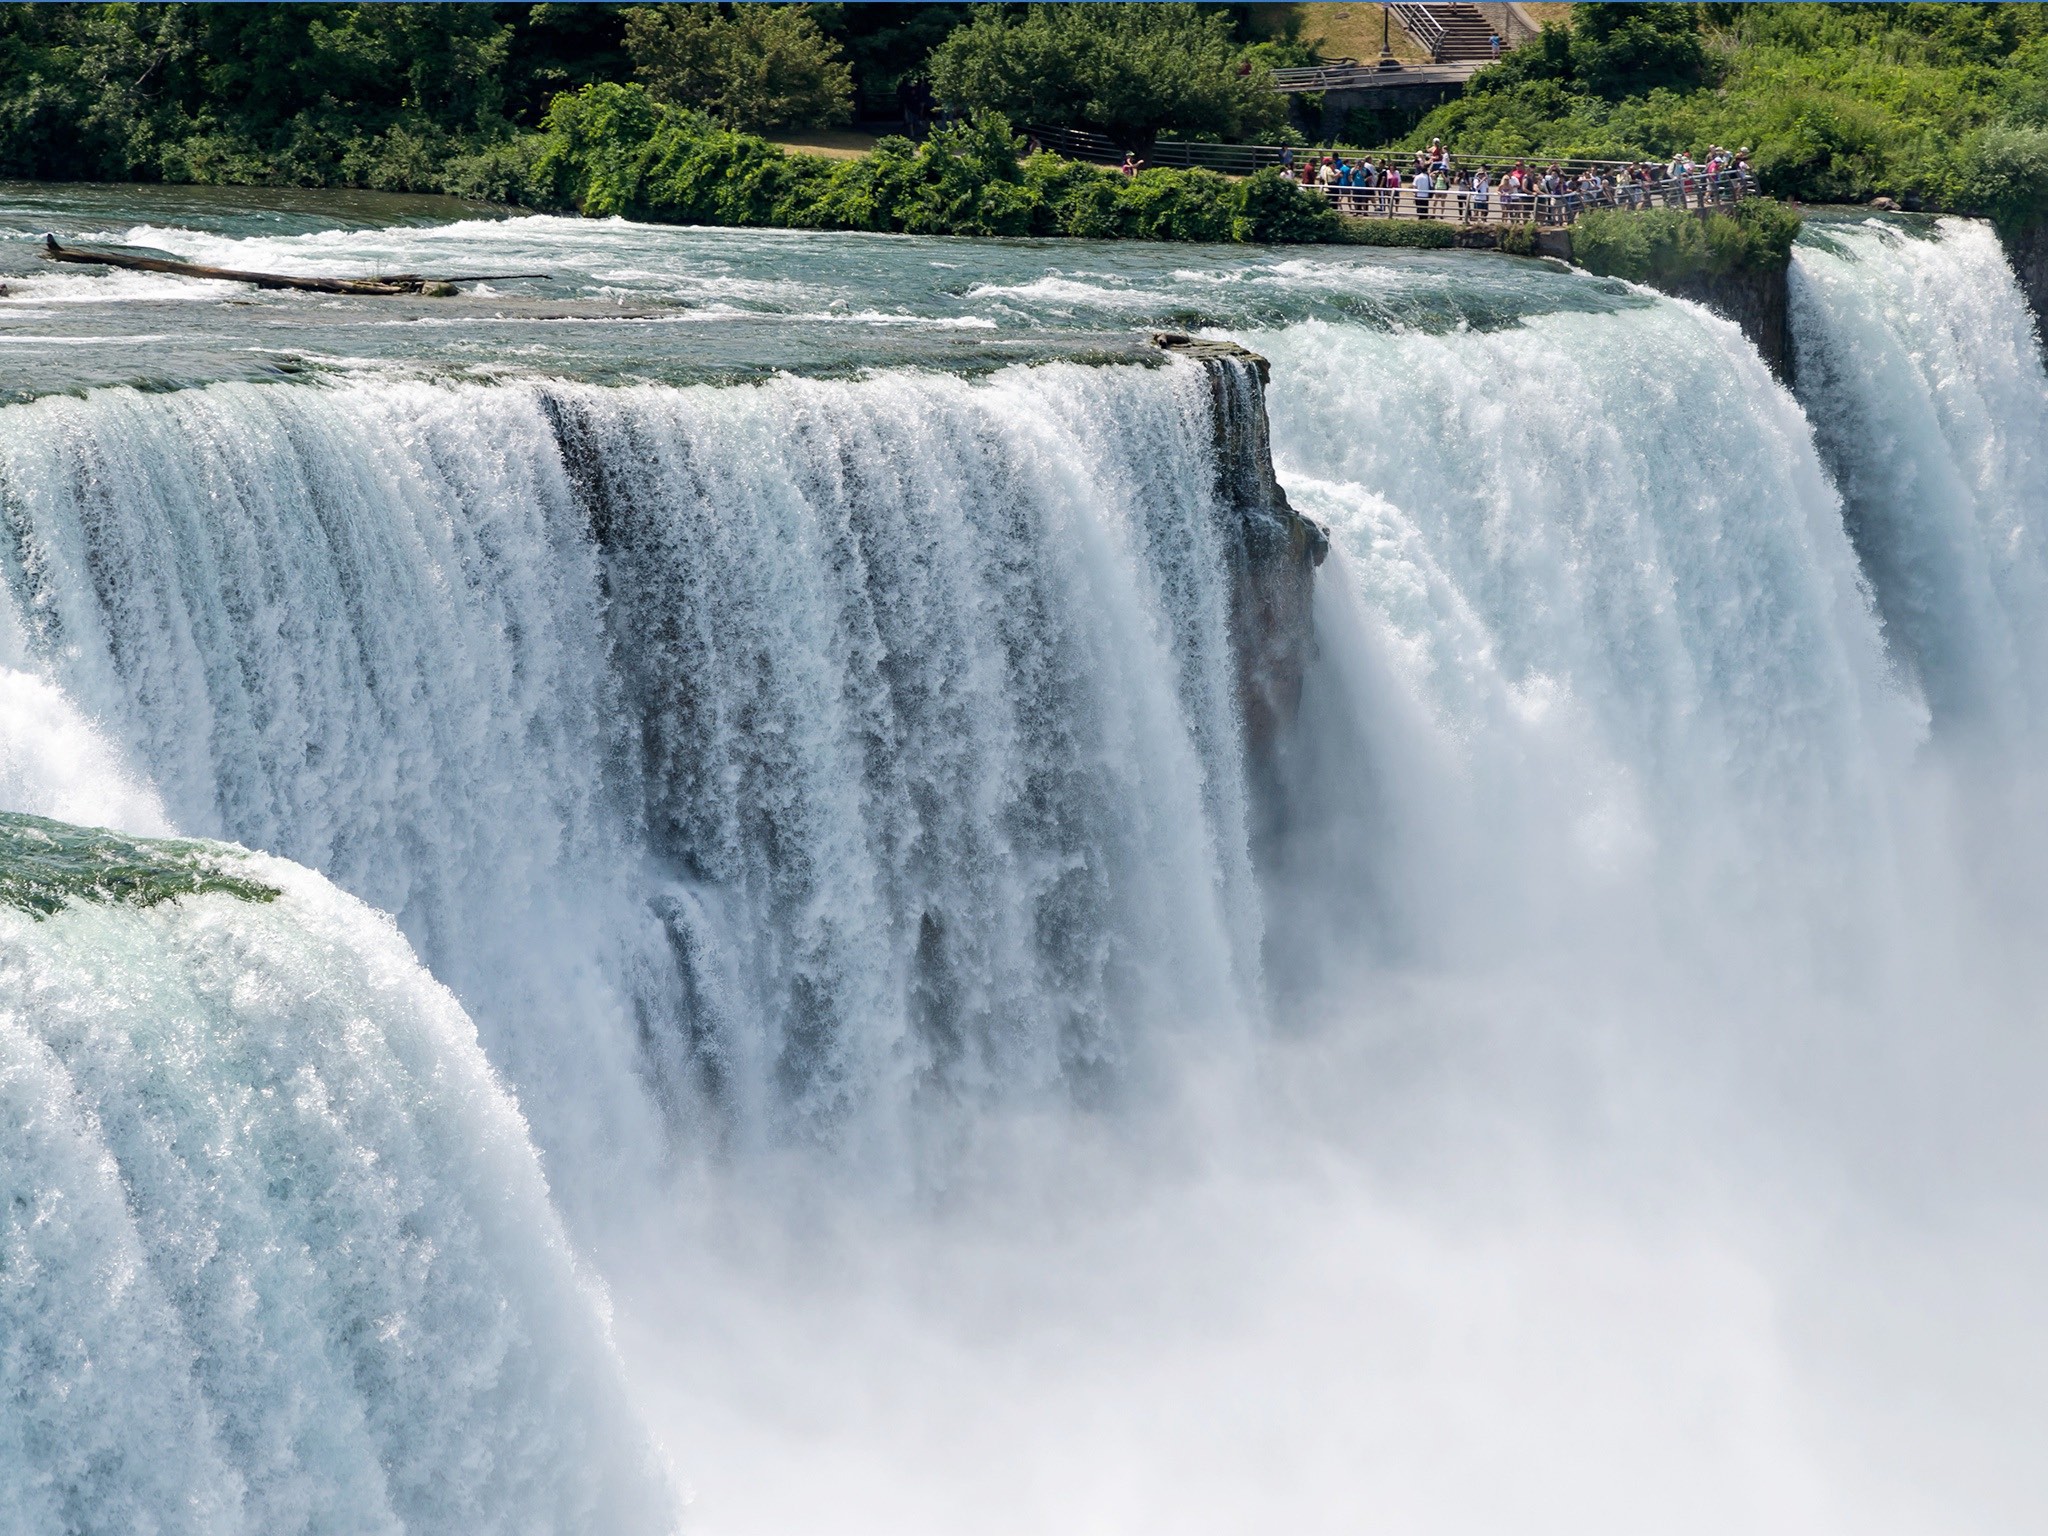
<point x="795" y="996"/>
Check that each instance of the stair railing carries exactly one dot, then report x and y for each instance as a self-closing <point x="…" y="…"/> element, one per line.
<point x="1421" y="24"/>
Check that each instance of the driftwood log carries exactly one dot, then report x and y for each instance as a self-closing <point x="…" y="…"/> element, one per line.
<point x="374" y="287"/>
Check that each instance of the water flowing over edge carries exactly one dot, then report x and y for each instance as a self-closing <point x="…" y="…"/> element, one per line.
<point x="1602" y="684"/>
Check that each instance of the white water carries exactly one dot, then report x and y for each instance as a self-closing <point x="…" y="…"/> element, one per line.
<point x="1921" y="368"/>
<point x="277" y="1255"/>
<point x="1647" y="1139"/>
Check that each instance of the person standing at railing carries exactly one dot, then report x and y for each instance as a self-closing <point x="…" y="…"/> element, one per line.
<point x="1390" y="191"/>
<point x="1482" y="190"/>
<point x="1425" y="185"/>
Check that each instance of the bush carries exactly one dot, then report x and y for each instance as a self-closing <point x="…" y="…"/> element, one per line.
<point x="1273" y="210"/>
<point x="1177" y="205"/>
<point x="611" y="149"/>
<point x="2007" y="175"/>
<point x="497" y="173"/>
<point x="1404" y="234"/>
<point x="1667" y="244"/>
<point x="1518" y="240"/>
<point x="594" y="154"/>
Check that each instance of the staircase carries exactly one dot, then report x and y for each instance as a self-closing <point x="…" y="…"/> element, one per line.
<point x="1453" y="34"/>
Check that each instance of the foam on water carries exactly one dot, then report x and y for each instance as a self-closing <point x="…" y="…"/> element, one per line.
<point x="829" y="797"/>
<point x="1919" y="363"/>
<point x="275" y="1254"/>
<point x="897" y="715"/>
<point x="1599" y="553"/>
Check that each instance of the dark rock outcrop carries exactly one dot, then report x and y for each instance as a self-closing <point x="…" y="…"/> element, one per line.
<point x="2027" y="249"/>
<point x="1274" y="552"/>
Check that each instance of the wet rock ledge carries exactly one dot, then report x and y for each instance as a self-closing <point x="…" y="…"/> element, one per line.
<point x="2026" y="247"/>
<point x="1274" y="552"/>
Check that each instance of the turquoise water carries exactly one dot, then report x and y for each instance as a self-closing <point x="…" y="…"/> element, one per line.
<point x="1606" y="1100"/>
<point x="625" y="301"/>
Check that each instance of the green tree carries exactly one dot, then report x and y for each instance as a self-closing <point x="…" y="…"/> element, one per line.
<point x="1631" y="50"/>
<point x="761" y="66"/>
<point x="1610" y="51"/>
<point x="1130" y="71"/>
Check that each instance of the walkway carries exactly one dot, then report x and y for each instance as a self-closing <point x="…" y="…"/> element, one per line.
<point x="1697" y="192"/>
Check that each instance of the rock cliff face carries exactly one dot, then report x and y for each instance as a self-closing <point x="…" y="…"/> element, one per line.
<point x="2027" y="250"/>
<point x="1274" y="554"/>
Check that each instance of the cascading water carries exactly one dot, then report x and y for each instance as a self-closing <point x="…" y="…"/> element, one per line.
<point x="276" y="1255"/>
<point x="971" y="1025"/>
<point x="906" y="707"/>
<point x="1921" y="369"/>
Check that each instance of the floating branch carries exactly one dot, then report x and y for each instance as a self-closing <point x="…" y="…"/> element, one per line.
<point x="374" y="287"/>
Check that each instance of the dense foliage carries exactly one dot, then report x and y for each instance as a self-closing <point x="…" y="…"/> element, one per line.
<point x="414" y="97"/>
<point x="359" y="95"/>
<point x="1127" y="70"/>
<point x="760" y="66"/>
<point x="612" y="149"/>
<point x="1943" y="104"/>
<point x="1666" y="244"/>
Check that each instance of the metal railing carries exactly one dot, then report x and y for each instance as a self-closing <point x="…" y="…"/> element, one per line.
<point x="1422" y="24"/>
<point x="1243" y="159"/>
<point x="1178" y="154"/>
<point x="1697" y="191"/>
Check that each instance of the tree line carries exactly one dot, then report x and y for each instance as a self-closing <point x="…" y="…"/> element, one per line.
<point x="1943" y="105"/>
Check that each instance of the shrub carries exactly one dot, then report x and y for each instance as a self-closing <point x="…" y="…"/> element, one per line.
<point x="2007" y="174"/>
<point x="1177" y="205"/>
<point x="1273" y="210"/>
<point x="611" y="149"/>
<point x="497" y="173"/>
<point x="1518" y="240"/>
<point x="1406" y="234"/>
<point x="1665" y="244"/>
<point x="595" y="151"/>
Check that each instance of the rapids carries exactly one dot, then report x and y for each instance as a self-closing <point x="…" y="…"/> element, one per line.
<point x="1591" y="1085"/>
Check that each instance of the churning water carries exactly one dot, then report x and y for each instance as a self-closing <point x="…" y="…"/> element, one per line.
<point x="1599" y="1095"/>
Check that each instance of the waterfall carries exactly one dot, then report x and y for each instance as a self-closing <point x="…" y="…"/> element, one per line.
<point x="799" y="750"/>
<point x="997" y="978"/>
<point x="1598" y="631"/>
<point x="276" y="1254"/>
<point x="1921" y="370"/>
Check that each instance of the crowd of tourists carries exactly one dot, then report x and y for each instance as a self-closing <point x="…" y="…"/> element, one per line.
<point x="1437" y="187"/>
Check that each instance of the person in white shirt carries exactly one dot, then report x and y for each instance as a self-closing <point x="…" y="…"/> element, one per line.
<point x="1423" y="187"/>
